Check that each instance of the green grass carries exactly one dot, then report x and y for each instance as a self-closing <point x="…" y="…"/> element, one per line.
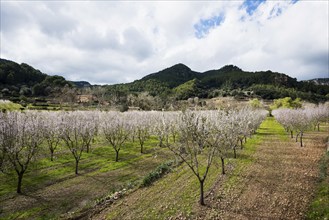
<point x="178" y="191"/>
<point x="319" y="208"/>
<point x="10" y="106"/>
<point x="24" y="214"/>
<point x="100" y="159"/>
<point x="99" y="174"/>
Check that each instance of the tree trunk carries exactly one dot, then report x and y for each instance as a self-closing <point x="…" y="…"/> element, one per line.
<point x="76" y="167"/>
<point x="223" y="166"/>
<point x="201" y="193"/>
<point x="142" y="148"/>
<point x="234" y="150"/>
<point x="301" y="139"/>
<point x="116" y="155"/>
<point x="52" y="155"/>
<point x="318" y="126"/>
<point x="88" y="148"/>
<point x="297" y="137"/>
<point x="19" y="183"/>
<point x="241" y="142"/>
<point x="291" y="134"/>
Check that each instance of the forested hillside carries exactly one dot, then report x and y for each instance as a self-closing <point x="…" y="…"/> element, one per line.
<point x="158" y="90"/>
<point x="181" y="82"/>
<point x="24" y="80"/>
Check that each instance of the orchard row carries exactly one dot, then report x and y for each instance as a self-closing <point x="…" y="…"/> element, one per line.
<point x="301" y="120"/>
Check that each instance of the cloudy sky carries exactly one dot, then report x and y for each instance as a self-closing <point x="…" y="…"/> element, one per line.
<point x="116" y="42"/>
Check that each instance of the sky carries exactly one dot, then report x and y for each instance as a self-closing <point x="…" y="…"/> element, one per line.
<point x="107" y="42"/>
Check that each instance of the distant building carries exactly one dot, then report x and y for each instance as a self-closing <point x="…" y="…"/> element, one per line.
<point x="86" y="98"/>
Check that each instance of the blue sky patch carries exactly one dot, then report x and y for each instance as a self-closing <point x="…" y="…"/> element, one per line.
<point x="204" y="25"/>
<point x="251" y="5"/>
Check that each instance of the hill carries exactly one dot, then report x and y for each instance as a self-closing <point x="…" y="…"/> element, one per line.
<point x="229" y="80"/>
<point x="173" y="76"/>
<point x="12" y="73"/>
<point x="24" y="80"/>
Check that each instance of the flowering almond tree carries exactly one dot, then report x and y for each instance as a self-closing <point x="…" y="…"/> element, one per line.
<point x="304" y="123"/>
<point x="225" y="137"/>
<point x="319" y="114"/>
<point x="229" y="126"/>
<point x="161" y="128"/>
<point x="21" y="137"/>
<point x="300" y="120"/>
<point x="51" y="131"/>
<point x="141" y="123"/>
<point x="90" y="128"/>
<point x="287" y="119"/>
<point x="192" y="147"/>
<point x="116" y="130"/>
<point x="73" y="130"/>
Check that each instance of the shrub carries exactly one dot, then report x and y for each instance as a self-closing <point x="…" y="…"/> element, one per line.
<point x="156" y="174"/>
<point x="123" y="108"/>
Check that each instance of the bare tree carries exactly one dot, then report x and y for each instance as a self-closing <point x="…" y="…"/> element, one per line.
<point x="100" y="93"/>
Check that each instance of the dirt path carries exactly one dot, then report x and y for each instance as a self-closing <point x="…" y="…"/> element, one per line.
<point x="278" y="185"/>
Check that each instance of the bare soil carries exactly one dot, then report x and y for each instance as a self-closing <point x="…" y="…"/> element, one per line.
<point x="280" y="184"/>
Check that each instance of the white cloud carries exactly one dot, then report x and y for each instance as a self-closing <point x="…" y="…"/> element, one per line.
<point x="113" y="42"/>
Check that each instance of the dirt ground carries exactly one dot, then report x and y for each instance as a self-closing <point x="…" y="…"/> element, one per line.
<point x="280" y="184"/>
